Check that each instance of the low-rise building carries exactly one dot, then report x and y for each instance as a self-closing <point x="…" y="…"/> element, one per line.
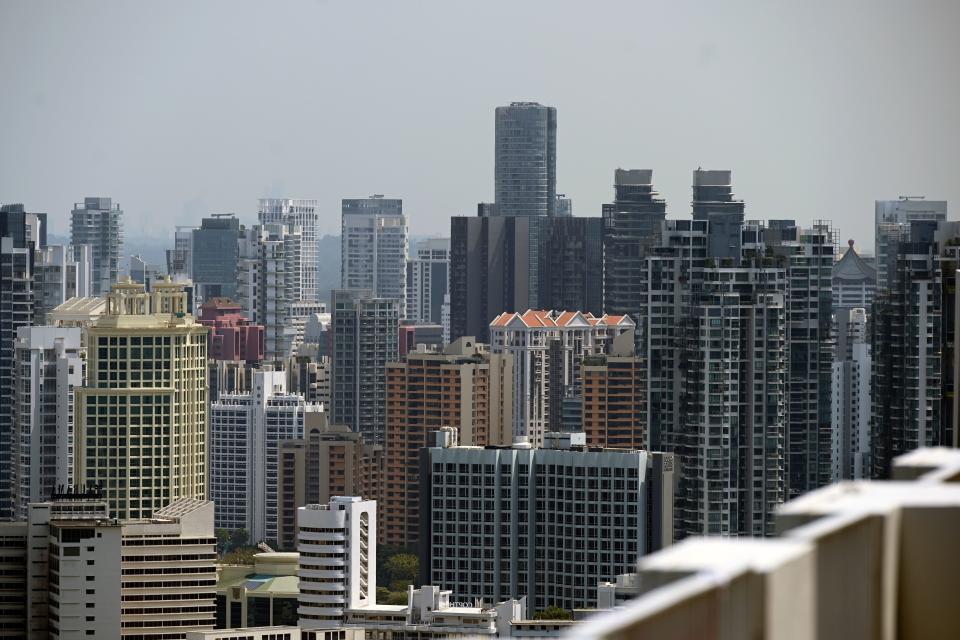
<point x="262" y="595"/>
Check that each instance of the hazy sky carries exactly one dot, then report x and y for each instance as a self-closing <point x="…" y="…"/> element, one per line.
<point x="181" y="109"/>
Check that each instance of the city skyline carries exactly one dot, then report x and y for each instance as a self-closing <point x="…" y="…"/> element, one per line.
<point x="92" y="123"/>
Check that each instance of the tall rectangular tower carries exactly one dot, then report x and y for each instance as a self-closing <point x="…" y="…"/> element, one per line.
<point x="98" y="222"/>
<point x="141" y="418"/>
<point x="302" y="214"/>
<point x="525" y="154"/>
<point x="365" y="339"/>
<point x="215" y="247"/>
<point x="21" y="235"/>
<point x="427" y="275"/>
<point x="374" y="247"/>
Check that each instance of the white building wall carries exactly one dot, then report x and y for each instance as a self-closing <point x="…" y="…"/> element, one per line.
<point x="50" y="365"/>
<point x="338" y="560"/>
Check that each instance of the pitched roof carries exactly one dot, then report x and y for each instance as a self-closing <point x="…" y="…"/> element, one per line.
<point x="545" y="318"/>
<point x="852" y="267"/>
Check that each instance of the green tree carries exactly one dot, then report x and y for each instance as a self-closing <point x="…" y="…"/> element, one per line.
<point x="553" y="613"/>
<point x="223" y="541"/>
<point x="241" y="555"/>
<point x="239" y="538"/>
<point x="401" y="567"/>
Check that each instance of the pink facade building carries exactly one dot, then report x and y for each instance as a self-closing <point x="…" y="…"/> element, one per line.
<point x="232" y="336"/>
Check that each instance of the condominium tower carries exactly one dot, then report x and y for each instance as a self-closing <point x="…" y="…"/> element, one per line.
<point x="300" y="214"/>
<point x="50" y="365"/>
<point x="246" y="430"/>
<point x="374" y="247"/>
<point x="141" y="418"/>
<point x="98" y="222"/>
<point x="365" y="339"/>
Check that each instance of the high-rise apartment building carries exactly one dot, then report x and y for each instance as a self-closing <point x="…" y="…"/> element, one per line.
<point x="631" y="224"/>
<point x="808" y="255"/>
<point x="614" y="397"/>
<point x="232" y="336"/>
<point x="268" y="281"/>
<point x="312" y="378"/>
<point x="571" y="264"/>
<point x="548" y="348"/>
<point x="21" y="235"/>
<point x="713" y="201"/>
<point x="141" y="417"/>
<point x="492" y="270"/>
<point x="59" y="273"/>
<point x="851" y="396"/>
<point x="546" y="523"/>
<point x="427" y="276"/>
<point x="464" y="387"/>
<point x="854" y="280"/>
<point x="525" y="160"/>
<point x="98" y="222"/>
<point x="246" y="430"/>
<point x="365" y="330"/>
<point x="300" y="214"/>
<point x="180" y="258"/>
<point x="731" y="440"/>
<point x="338" y="560"/>
<point x="50" y="364"/>
<point x="214" y="256"/>
<point x="892" y="221"/>
<point x="374" y="247"/>
<point x="330" y="460"/>
<point x="909" y="348"/>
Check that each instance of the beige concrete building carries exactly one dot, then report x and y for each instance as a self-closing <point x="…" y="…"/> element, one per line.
<point x="464" y="387"/>
<point x="141" y="419"/>
<point x="70" y="571"/>
<point x="330" y="460"/>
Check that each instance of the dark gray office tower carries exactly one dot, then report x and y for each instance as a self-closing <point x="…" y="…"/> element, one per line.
<point x="713" y="201"/>
<point x="21" y="233"/>
<point x="631" y="224"/>
<point x="215" y="255"/>
<point x="366" y="333"/>
<point x="99" y="223"/>
<point x="571" y="264"/>
<point x="491" y="271"/>
<point x="525" y="158"/>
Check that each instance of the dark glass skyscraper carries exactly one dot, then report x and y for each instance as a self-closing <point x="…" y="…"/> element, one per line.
<point x="215" y="255"/>
<point x="631" y="224"/>
<point x="571" y="264"/>
<point x="526" y="160"/>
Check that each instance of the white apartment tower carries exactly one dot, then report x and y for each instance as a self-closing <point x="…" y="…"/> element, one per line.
<point x="548" y="348"/>
<point x="60" y="273"/>
<point x="851" y="397"/>
<point x="245" y="434"/>
<point x="300" y="214"/>
<point x="374" y="247"/>
<point x="427" y="281"/>
<point x="338" y="560"/>
<point x="50" y="364"/>
<point x="98" y="222"/>
<point x="269" y="277"/>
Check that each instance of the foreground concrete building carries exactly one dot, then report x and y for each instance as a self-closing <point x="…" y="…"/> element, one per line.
<point x="852" y="561"/>
<point x="80" y="573"/>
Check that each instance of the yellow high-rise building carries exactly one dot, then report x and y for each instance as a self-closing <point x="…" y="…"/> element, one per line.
<point x="141" y="419"/>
